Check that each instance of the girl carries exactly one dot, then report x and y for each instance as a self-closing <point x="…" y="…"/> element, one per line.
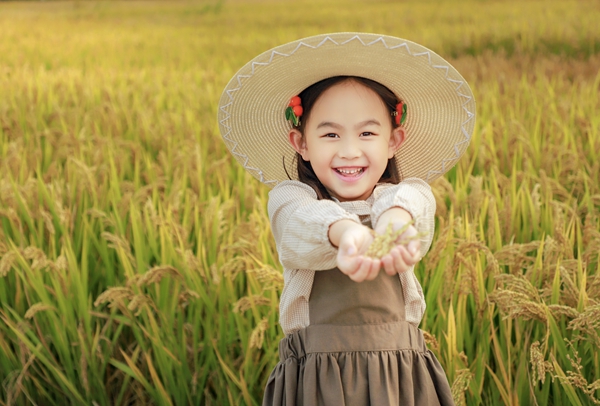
<point x="368" y="120"/>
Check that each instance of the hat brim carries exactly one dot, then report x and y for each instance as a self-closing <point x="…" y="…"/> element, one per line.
<point x="441" y="107"/>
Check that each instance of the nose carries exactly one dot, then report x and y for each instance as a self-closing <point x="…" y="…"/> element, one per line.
<point x="349" y="148"/>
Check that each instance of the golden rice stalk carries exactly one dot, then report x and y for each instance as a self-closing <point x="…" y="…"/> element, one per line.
<point x="99" y="214"/>
<point x="14" y="384"/>
<point x="460" y="386"/>
<point x="539" y="366"/>
<point x="117" y="242"/>
<point x="89" y="172"/>
<point x="186" y="296"/>
<point x="472" y="248"/>
<point x="591" y="239"/>
<point x="588" y="322"/>
<point x="6" y="262"/>
<point x="516" y="305"/>
<point x="518" y="299"/>
<point x="593" y="289"/>
<point x="247" y="302"/>
<point x="114" y="296"/>
<point x="591" y="233"/>
<point x="258" y="334"/>
<point x="269" y="277"/>
<point x="177" y="231"/>
<point x="438" y="246"/>
<point x="383" y="243"/>
<point x="443" y="188"/>
<point x="576" y="377"/>
<point x="560" y="310"/>
<point x="150" y="211"/>
<point x="48" y="221"/>
<point x="6" y="192"/>
<point x="234" y="265"/>
<point x="562" y="239"/>
<point x="520" y="285"/>
<point x="61" y="263"/>
<point x="431" y="341"/>
<point x="190" y="258"/>
<point x="139" y="302"/>
<point x="157" y="273"/>
<point x="12" y="215"/>
<point x="568" y="276"/>
<point x="463" y="357"/>
<point x="551" y="253"/>
<point x="36" y="308"/>
<point x="515" y="255"/>
<point x="468" y="283"/>
<point x="38" y="258"/>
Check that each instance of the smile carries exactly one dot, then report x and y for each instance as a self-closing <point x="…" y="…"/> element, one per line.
<point x="350" y="172"/>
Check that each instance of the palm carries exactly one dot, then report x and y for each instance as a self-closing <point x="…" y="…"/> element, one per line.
<point x="350" y="260"/>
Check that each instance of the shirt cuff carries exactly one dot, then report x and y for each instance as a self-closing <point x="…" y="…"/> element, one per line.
<point x="413" y="195"/>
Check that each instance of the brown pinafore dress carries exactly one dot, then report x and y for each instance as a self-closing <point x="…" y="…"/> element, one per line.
<point x="358" y="350"/>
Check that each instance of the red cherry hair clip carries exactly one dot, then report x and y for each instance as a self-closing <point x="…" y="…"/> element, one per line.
<point x="294" y="111"/>
<point x="400" y="113"/>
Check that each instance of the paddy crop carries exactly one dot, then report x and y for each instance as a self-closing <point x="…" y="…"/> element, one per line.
<point x="137" y="264"/>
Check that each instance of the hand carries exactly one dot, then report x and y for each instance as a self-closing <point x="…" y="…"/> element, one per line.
<point x="402" y="256"/>
<point x="353" y="243"/>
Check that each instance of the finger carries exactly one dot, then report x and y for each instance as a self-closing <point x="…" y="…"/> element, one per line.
<point x="399" y="263"/>
<point x="348" y="264"/>
<point x="347" y="248"/>
<point x="362" y="271"/>
<point x="373" y="270"/>
<point x="414" y="247"/>
<point x="409" y="258"/>
<point x="388" y="264"/>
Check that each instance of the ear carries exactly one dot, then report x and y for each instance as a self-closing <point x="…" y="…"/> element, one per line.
<point x="298" y="143"/>
<point x="396" y="139"/>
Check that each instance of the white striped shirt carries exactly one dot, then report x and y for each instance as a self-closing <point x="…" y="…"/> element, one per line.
<point x="300" y="224"/>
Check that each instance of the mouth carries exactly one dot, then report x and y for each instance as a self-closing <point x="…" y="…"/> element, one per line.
<point x="350" y="172"/>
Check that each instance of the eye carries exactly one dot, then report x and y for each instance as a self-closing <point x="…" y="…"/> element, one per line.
<point x="366" y="133"/>
<point x="330" y="135"/>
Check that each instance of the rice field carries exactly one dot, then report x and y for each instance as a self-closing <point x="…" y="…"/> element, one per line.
<point x="136" y="260"/>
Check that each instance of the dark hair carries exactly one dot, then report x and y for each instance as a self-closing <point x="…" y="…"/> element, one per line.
<point x="309" y="97"/>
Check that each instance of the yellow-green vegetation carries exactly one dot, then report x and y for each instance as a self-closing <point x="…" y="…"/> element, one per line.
<point x="383" y="243"/>
<point x="136" y="260"/>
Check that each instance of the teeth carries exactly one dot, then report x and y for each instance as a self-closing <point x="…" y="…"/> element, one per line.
<point x="350" y="171"/>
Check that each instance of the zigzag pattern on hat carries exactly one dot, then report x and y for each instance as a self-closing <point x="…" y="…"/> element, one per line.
<point x="255" y="65"/>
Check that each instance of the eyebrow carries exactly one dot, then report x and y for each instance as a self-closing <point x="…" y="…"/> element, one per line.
<point x="371" y="121"/>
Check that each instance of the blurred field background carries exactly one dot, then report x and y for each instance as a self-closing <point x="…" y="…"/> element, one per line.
<point x="136" y="260"/>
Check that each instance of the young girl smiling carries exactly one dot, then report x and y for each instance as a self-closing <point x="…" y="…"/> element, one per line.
<point x="370" y="120"/>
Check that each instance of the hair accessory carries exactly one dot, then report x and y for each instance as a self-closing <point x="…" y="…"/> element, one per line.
<point x="442" y="106"/>
<point x="400" y="113"/>
<point x="294" y="111"/>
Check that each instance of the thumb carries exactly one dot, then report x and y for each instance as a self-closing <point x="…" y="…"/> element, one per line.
<point x="347" y="247"/>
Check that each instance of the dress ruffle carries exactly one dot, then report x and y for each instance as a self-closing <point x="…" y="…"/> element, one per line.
<point x="379" y="365"/>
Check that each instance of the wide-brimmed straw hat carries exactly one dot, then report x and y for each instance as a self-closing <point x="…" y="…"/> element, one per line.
<point x="441" y="107"/>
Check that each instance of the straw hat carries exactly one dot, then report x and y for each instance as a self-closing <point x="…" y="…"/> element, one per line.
<point x="441" y="107"/>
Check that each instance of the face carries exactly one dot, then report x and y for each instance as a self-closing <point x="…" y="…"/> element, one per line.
<point x="348" y="140"/>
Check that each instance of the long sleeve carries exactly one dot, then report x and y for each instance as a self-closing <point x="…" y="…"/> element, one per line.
<point x="413" y="195"/>
<point x="300" y="225"/>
